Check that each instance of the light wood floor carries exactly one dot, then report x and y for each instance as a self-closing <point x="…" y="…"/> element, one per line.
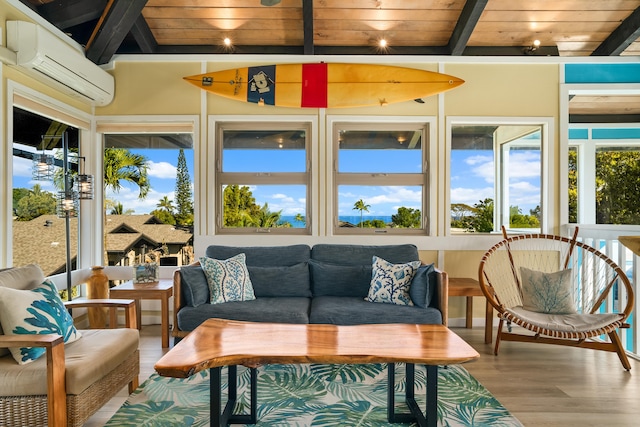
<point x="541" y="385"/>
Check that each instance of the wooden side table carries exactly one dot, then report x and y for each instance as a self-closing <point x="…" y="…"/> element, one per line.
<point x="161" y="290"/>
<point x="467" y="287"/>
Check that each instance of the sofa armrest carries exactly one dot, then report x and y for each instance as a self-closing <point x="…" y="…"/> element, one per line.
<point x="129" y="306"/>
<point x="178" y="301"/>
<point x="56" y="392"/>
<point x="443" y="294"/>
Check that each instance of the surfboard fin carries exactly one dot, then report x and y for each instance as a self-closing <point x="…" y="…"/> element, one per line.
<point x="419" y="100"/>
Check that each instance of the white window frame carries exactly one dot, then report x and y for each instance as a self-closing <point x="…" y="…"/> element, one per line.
<point x="429" y="152"/>
<point x="217" y="125"/>
<point x="547" y="180"/>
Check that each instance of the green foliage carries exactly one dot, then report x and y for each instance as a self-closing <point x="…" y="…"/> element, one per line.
<point x="35" y="203"/>
<point x="482" y="220"/>
<point x="118" y="209"/>
<point x="164" y="216"/>
<point x="373" y="223"/>
<point x="406" y="218"/>
<point x="573" y="186"/>
<point x="122" y="165"/>
<point x="518" y="220"/>
<point x="617" y="187"/>
<point x="184" y="195"/>
<point x="239" y="204"/>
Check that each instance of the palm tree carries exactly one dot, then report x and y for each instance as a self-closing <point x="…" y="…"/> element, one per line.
<point x="121" y="165"/>
<point x="361" y="206"/>
<point x="264" y="218"/>
<point x="166" y="204"/>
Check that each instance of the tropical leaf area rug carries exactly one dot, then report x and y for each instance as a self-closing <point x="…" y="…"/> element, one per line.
<point x="316" y="396"/>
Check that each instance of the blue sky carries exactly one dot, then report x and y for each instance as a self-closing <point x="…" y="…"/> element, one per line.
<point x="471" y="181"/>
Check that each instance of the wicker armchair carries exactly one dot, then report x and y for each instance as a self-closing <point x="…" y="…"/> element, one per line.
<point x="72" y="381"/>
<point x="601" y="292"/>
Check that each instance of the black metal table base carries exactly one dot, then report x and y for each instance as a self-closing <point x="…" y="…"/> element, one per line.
<point x="220" y="417"/>
<point x="225" y="417"/>
<point x="427" y="419"/>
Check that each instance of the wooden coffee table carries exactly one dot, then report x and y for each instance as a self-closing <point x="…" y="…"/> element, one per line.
<point x="217" y="342"/>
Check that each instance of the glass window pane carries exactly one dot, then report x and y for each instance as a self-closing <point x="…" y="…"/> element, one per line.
<point x="380" y="206"/>
<point x="380" y="151"/>
<point x="264" y="206"/>
<point x="264" y="151"/>
<point x="482" y="193"/>
<point x="617" y="183"/>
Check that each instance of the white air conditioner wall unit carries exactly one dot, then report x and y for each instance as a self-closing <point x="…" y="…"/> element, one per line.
<point x="42" y="53"/>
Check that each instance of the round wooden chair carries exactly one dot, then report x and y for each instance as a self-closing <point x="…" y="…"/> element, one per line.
<point x="521" y="278"/>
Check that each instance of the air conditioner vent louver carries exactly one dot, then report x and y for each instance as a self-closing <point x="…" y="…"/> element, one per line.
<point x="43" y="54"/>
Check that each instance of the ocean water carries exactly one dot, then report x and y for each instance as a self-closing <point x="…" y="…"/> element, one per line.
<point x="353" y="219"/>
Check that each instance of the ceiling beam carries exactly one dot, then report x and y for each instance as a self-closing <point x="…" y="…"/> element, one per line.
<point x="113" y="26"/>
<point x="68" y="13"/>
<point x="464" y="27"/>
<point x="621" y="37"/>
<point x="307" y="24"/>
<point x="143" y="36"/>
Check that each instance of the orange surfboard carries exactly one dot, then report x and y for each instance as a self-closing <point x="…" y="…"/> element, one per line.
<point x="323" y="85"/>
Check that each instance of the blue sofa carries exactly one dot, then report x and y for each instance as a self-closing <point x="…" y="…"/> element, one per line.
<point x="326" y="283"/>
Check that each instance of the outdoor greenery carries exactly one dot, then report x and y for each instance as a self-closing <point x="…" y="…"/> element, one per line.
<point x="479" y="217"/>
<point x="30" y="204"/>
<point x="184" y="195"/>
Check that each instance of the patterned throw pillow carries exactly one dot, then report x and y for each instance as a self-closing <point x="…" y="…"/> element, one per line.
<point x="550" y="293"/>
<point x="390" y="282"/>
<point x="228" y="279"/>
<point x="35" y="311"/>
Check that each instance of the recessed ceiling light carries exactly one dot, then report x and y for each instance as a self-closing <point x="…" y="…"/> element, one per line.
<point x="227" y="41"/>
<point x="382" y="43"/>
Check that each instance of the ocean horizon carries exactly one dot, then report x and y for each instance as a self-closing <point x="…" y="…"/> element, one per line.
<point x="352" y="219"/>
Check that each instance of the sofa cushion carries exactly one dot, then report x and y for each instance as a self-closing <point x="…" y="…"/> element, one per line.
<point x="27" y="277"/>
<point x="281" y="281"/>
<point x="99" y="352"/>
<point x="356" y="311"/>
<point x="423" y="285"/>
<point x="263" y="256"/>
<point x="35" y="311"/>
<point x="363" y="254"/>
<point x="340" y="280"/>
<point x="194" y="285"/>
<point x="390" y="282"/>
<point x="228" y="279"/>
<point x="276" y="310"/>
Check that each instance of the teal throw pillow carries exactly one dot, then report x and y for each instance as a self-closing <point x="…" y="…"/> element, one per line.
<point x="228" y="279"/>
<point x="35" y="311"/>
<point x="421" y="288"/>
<point x="550" y="293"/>
<point x="390" y="283"/>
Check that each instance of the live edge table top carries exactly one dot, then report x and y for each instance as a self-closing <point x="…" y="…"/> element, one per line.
<point x="219" y="342"/>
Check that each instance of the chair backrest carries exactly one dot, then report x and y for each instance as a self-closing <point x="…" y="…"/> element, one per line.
<point x="600" y="285"/>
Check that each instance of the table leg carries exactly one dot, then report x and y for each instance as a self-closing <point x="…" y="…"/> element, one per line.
<point x="469" y="318"/>
<point x="226" y="417"/>
<point x="165" y="321"/>
<point x="139" y="313"/>
<point x="416" y="415"/>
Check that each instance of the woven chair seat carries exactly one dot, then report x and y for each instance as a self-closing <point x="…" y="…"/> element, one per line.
<point x="570" y="326"/>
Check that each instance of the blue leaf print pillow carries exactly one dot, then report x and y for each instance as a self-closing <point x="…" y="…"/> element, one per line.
<point x="390" y="283"/>
<point x="228" y="279"/>
<point x="35" y="311"/>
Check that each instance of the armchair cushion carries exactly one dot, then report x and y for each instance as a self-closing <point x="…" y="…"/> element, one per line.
<point x="87" y="360"/>
<point x="36" y="311"/>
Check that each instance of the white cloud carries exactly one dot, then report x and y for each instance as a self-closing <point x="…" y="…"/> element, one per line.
<point x="470" y="196"/>
<point x="162" y="170"/>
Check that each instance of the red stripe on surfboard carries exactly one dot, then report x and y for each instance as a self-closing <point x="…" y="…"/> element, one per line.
<point x="314" y="85"/>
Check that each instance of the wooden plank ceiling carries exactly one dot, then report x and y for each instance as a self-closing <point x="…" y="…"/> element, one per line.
<point x="411" y="27"/>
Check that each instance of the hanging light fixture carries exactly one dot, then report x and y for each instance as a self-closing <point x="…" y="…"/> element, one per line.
<point x="84" y="183"/>
<point x="67" y="204"/>
<point x="43" y="167"/>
